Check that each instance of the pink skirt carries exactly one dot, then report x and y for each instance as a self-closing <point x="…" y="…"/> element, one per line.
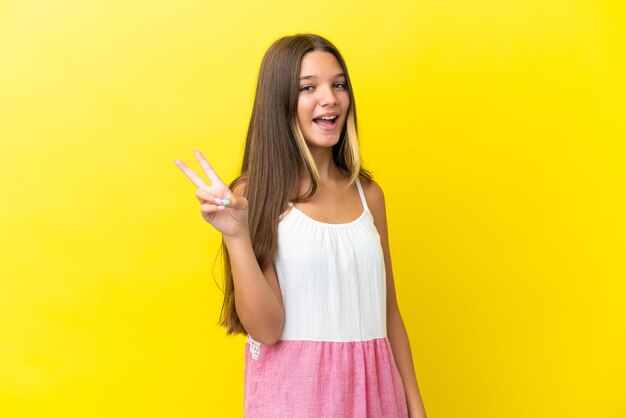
<point x="322" y="379"/>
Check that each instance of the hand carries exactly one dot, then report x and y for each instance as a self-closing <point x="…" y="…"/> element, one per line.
<point x="223" y="210"/>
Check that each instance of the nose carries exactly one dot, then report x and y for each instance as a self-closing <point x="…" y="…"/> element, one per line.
<point x="328" y="97"/>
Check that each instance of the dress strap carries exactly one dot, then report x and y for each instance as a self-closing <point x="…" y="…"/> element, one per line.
<point x="282" y="215"/>
<point x="361" y="194"/>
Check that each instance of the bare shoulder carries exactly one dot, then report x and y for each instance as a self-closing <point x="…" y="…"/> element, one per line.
<point x="374" y="195"/>
<point x="373" y="192"/>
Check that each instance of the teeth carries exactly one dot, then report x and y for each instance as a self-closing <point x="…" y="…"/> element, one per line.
<point x="328" y="117"/>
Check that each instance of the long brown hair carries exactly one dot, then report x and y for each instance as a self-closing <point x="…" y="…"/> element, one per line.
<point x="276" y="152"/>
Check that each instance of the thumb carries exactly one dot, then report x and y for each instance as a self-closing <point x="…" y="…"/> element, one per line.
<point x="240" y="203"/>
<point x="235" y="202"/>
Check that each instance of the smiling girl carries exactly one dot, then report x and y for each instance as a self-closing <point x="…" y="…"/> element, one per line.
<point x="308" y="273"/>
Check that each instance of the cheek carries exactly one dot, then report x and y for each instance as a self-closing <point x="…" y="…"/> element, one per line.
<point x="304" y="110"/>
<point x="345" y="100"/>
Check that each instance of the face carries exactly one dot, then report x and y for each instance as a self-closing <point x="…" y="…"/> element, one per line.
<point x="323" y="100"/>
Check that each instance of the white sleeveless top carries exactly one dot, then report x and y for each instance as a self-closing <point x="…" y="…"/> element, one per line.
<point x="332" y="278"/>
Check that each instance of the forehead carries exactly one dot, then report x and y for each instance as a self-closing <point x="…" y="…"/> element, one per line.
<point x="320" y="64"/>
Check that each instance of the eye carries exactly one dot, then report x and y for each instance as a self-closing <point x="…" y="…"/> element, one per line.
<point x="341" y="86"/>
<point x="306" y="88"/>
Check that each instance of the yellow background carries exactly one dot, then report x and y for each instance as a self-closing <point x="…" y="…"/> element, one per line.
<point x="496" y="129"/>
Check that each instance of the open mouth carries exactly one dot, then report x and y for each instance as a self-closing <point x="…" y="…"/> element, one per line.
<point x="326" y="122"/>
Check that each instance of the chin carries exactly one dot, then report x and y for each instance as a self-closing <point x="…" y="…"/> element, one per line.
<point x="322" y="142"/>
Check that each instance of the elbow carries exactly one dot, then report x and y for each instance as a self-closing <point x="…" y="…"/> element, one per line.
<point x="267" y="338"/>
<point x="269" y="335"/>
<point x="274" y="336"/>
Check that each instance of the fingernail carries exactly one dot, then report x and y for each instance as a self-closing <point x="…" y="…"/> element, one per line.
<point x="226" y="202"/>
<point x="218" y="200"/>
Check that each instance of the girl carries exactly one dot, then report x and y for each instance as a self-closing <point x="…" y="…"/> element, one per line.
<point x="308" y="273"/>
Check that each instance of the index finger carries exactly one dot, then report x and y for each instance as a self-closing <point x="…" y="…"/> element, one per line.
<point x="208" y="170"/>
<point x="191" y="175"/>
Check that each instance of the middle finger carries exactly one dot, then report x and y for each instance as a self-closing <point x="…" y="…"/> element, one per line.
<point x="191" y="175"/>
<point x="208" y="170"/>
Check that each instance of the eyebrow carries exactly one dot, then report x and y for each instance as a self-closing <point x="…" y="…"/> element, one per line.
<point x="308" y="77"/>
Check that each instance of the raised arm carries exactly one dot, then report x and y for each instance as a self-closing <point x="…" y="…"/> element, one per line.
<point x="258" y="299"/>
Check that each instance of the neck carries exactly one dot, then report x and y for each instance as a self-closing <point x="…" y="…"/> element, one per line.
<point x="326" y="168"/>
